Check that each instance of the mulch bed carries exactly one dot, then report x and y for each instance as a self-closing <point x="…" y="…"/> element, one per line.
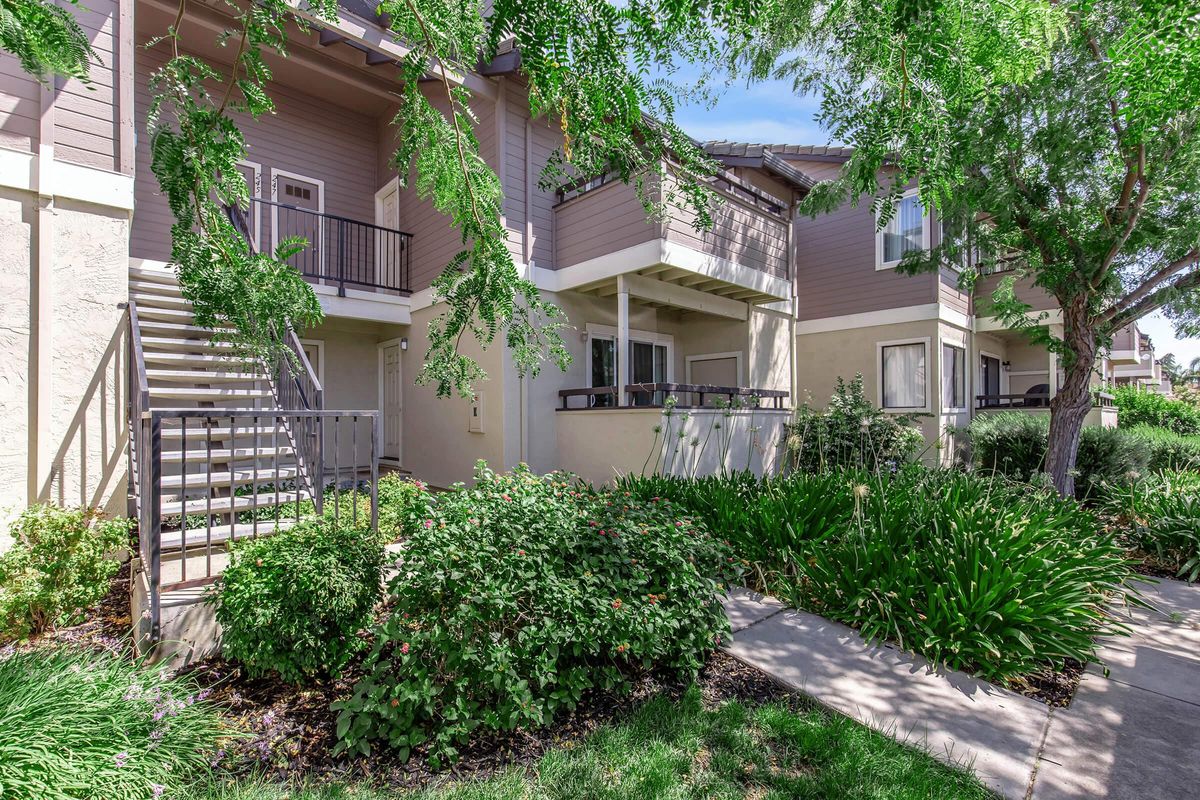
<point x="290" y="730"/>
<point x="106" y="627"/>
<point x="1053" y="687"/>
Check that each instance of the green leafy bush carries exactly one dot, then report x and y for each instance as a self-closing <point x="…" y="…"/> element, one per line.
<point x="1011" y="443"/>
<point x="1014" y="443"/>
<point x="1169" y="450"/>
<point x="293" y="602"/>
<point x="1160" y="518"/>
<point x="398" y="498"/>
<point x="82" y="724"/>
<point x="520" y="594"/>
<point x="60" y="564"/>
<point x="1139" y="407"/>
<point x="850" y="432"/>
<point x="972" y="571"/>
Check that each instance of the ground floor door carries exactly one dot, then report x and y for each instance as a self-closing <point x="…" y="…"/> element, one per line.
<point x="391" y="393"/>
<point x="989" y="378"/>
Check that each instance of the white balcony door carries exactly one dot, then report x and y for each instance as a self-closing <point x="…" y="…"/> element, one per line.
<point x="391" y="399"/>
<point x="387" y="253"/>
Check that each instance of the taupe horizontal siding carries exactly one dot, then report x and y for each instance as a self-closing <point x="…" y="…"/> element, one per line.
<point x="835" y="262"/>
<point x="86" y="121"/>
<point x="599" y="223"/>
<point x="1024" y="289"/>
<point x="305" y="136"/>
<point x="950" y="295"/>
<point x="739" y="233"/>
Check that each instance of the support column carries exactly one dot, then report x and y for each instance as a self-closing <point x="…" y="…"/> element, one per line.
<point x="622" y="355"/>
<point x="1052" y="373"/>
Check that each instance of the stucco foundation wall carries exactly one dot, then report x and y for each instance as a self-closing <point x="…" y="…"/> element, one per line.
<point x="16" y="232"/>
<point x="76" y="453"/>
<point x="438" y="445"/>
<point x="601" y="444"/>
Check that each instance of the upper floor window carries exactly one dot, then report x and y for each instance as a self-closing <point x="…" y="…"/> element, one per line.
<point x="907" y="230"/>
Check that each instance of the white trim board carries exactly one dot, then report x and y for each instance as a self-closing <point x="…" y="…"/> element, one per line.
<point x="890" y="316"/>
<point x="661" y="251"/>
<point x="19" y="170"/>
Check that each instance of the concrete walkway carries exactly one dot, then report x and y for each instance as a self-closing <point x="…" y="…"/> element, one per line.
<point x="1134" y="734"/>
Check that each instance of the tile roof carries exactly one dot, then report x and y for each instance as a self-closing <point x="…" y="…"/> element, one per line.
<point x="755" y="150"/>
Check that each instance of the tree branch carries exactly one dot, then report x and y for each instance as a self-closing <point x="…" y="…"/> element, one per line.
<point x="1145" y="299"/>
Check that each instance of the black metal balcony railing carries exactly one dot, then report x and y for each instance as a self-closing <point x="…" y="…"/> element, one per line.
<point x="341" y="251"/>
<point x="652" y="395"/>
<point x="1033" y="400"/>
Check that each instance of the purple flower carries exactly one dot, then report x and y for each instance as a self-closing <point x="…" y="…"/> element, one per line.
<point x="157" y="789"/>
<point x="120" y="758"/>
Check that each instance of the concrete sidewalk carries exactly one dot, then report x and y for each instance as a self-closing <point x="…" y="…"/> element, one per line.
<point x="1134" y="734"/>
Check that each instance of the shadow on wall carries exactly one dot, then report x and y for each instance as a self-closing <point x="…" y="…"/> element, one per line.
<point x="88" y="466"/>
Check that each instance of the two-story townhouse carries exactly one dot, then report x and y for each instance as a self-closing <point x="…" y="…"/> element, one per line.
<point x="924" y="346"/>
<point x="103" y="357"/>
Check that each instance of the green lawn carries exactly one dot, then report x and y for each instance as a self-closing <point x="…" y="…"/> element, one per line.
<point x="681" y="750"/>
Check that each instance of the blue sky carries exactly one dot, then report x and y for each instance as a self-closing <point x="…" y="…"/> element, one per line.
<point x="771" y="112"/>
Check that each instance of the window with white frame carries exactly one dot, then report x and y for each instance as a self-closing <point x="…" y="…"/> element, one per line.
<point x="954" y="376"/>
<point x="903" y="376"/>
<point x="907" y="230"/>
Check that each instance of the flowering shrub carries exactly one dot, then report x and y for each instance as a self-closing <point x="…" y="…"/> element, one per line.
<point x="520" y="594"/>
<point x="294" y="601"/>
<point x="1139" y="407"/>
<point x="59" y="564"/>
<point x="850" y="432"/>
<point x="397" y="499"/>
<point x="79" y="724"/>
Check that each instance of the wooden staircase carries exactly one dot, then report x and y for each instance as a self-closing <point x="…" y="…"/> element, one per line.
<point x="220" y="477"/>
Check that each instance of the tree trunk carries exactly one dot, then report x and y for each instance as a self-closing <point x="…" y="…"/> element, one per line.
<point x="1074" y="398"/>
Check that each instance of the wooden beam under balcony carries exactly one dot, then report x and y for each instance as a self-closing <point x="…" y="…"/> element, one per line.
<point x="671" y="294"/>
<point x="329" y="37"/>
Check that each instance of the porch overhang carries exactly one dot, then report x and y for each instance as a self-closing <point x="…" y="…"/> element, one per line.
<point x="669" y="274"/>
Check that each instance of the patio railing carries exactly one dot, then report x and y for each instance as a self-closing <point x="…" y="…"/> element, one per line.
<point x="687" y="395"/>
<point x="1032" y="400"/>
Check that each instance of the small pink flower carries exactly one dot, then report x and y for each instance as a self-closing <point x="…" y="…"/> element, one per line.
<point x="404" y="648"/>
<point x="428" y="523"/>
<point x="157" y="789"/>
<point x="507" y="499"/>
<point x="120" y="758"/>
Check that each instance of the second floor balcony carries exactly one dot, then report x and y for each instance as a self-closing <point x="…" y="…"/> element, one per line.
<point x="602" y="220"/>
<point x="341" y="252"/>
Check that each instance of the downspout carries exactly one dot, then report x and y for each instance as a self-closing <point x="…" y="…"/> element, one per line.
<point x="795" y="310"/>
<point x="527" y="253"/>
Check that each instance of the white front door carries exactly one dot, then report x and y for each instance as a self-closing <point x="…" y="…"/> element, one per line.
<point x="392" y="394"/>
<point x="388" y="258"/>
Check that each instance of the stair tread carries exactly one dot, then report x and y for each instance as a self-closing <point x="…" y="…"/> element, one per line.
<point x="196" y="433"/>
<point x="147" y="313"/>
<point x="189" y="391"/>
<point x="178" y="327"/>
<point x="244" y="502"/>
<point x="200" y="376"/>
<point x="185" y="344"/>
<point x="239" y="453"/>
<point x="207" y="359"/>
<point x="171" y="540"/>
<point x="139" y="287"/>
<point x="153" y="300"/>
<point x="202" y="480"/>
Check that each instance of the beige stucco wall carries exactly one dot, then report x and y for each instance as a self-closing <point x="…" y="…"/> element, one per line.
<point x="75" y="455"/>
<point x="350" y="379"/>
<point x="600" y="444"/>
<point x="438" y="445"/>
